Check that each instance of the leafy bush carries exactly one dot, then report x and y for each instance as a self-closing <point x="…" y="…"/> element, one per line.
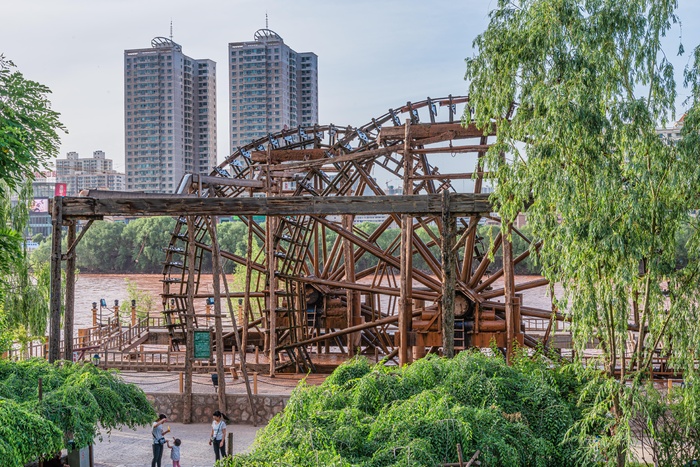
<point x="78" y="399"/>
<point x="669" y="425"/>
<point x="365" y="415"/>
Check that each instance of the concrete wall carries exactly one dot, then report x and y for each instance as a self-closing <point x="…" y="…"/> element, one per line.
<point x="203" y="405"/>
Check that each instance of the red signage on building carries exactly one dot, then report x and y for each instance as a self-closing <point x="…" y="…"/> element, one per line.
<point x="60" y="189"/>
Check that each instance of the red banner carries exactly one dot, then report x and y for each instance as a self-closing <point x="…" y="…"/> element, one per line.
<point x="60" y="189"/>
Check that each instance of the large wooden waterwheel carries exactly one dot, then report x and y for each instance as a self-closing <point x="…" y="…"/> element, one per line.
<point x="318" y="285"/>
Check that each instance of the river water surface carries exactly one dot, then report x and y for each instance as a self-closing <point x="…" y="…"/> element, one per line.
<point x="93" y="287"/>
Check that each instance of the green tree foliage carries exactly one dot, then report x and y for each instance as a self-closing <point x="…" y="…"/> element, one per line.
<point x="77" y="398"/>
<point x="671" y="430"/>
<point x="233" y="237"/>
<point x="28" y="139"/>
<point x="576" y="90"/>
<point x="366" y="415"/>
<point x="143" y="298"/>
<point x="103" y="248"/>
<point x="28" y="127"/>
<point x="147" y="238"/>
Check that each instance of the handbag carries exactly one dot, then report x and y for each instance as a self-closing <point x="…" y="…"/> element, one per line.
<point x="160" y="440"/>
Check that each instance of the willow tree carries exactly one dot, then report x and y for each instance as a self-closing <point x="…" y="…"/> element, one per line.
<point x="28" y="140"/>
<point x="576" y="89"/>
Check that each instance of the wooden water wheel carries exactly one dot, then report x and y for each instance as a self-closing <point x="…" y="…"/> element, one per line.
<point x="322" y="285"/>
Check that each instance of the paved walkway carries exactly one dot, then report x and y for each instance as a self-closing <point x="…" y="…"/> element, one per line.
<point x="132" y="448"/>
<point x="129" y="448"/>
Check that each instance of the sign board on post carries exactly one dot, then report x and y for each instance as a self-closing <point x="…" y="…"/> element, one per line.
<point x="202" y="344"/>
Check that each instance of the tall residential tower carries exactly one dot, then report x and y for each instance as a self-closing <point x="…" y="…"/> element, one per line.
<point x="272" y="87"/>
<point x="169" y="116"/>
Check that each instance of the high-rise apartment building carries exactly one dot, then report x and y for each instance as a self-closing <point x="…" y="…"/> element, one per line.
<point x="169" y="116"/>
<point x="272" y="87"/>
<point x="96" y="172"/>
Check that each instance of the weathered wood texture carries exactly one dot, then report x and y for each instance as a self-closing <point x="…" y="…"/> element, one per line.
<point x="219" y="337"/>
<point x="55" y="301"/>
<point x="70" y="296"/>
<point x="286" y="155"/>
<point x="460" y="204"/>
<point x="427" y="130"/>
<point x="449" y="231"/>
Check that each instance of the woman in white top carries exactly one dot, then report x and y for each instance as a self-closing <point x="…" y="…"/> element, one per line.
<point x="218" y="435"/>
<point x="158" y="439"/>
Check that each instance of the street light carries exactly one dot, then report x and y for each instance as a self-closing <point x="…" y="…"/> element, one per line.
<point x="215" y="381"/>
<point x="96" y="360"/>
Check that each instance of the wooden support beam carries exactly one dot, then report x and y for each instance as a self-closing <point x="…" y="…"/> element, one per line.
<point x="452" y="149"/>
<point x="70" y="296"/>
<point x="218" y="327"/>
<point x="512" y="327"/>
<point x="430" y="130"/>
<point x="406" y="255"/>
<point x="343" y="332"/>
<point x="460" y="203"/>
<point x="449" y="228"/>
<point x="287" y="155"/>
<point x="351" y="296"/>
<point x="55" y="301"/>
<point x="420" y="294"/>
<point x="293" y="167"/>
<point x="241" y="352"/>
<point x="72" y="245"/>
<point x="237" y="182"/>
<point x="189" y="317"/>
<point x="270" y="229"/>
<point x="247" y="292"/>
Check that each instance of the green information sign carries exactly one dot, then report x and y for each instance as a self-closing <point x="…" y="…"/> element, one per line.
<point x="202" y="344"/>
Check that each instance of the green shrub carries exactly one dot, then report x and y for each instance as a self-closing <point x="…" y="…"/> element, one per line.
<point x="77" y="399"/>
<point x="365" y="415"/>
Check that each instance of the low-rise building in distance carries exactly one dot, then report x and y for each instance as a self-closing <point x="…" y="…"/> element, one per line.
<point x="96" y="172"/>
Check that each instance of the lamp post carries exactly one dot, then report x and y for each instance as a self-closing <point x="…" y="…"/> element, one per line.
<point x="96" y="360"/>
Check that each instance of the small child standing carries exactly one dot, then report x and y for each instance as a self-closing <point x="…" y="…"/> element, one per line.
<point x="175" y="451"/>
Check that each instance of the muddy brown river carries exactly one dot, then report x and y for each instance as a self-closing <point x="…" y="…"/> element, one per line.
<point x="93" y="287"/>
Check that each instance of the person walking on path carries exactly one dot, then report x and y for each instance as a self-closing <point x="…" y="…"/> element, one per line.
<point x="158" y="439"/>
<point x="175" y="451"/>
<point x="218" y="435"/>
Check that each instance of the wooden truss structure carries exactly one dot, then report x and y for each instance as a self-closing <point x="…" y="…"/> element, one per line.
<point x="313" y="277"/>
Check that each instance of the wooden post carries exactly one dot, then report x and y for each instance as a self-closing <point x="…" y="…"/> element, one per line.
<point x="272" y="298"/>
<point x="351" y="296"/>
<point x="509" y="292"/>
<point x="189" y="325"/>
<point x="255" y="383"/>
<point x="180" y="380"/>
<point x="94" y="314"/>
<point x="133" y="313"/>
<point x="406" y="258"/>
<point x="449" y="226"/>
<point x="55" y="301"/>
<point x="70" y="295"/>
<point x="230" y="444"/>
<point x="216" y="266"/>
<point x="246" y="297"/>
<point x="270" y="228"/>
<point x="244" y="370"/>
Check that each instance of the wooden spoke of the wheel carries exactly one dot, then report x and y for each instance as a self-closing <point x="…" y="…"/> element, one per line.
<point x="485" y="262"/>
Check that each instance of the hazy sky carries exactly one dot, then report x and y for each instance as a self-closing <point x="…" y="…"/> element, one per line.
<point x="372" y="54"/>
